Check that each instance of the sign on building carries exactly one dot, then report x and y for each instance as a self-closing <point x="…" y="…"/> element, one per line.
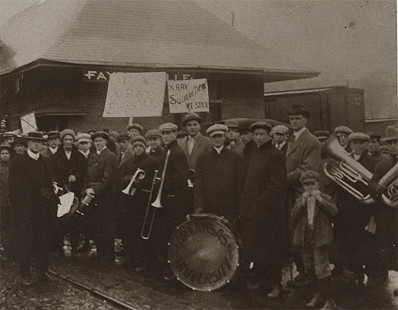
<point x="28" y="123"/>
<point x="135" y="94"/>
<point x="188" y="96"/>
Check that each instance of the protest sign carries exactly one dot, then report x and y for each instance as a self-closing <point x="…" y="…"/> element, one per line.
<point x="188" y="96"/>
<point x="135" y="94"/>
<point x="28" y="123"/>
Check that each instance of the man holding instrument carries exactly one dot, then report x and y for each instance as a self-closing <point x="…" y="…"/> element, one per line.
<point x="172" y="206"/>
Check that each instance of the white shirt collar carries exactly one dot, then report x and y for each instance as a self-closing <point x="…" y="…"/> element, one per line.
<point x="68" y="154"/>
<point x="219" y="149"/>
<point x="85" y="153"/>
<point x="298" y="133"/>
<point x="32" y="155"/>
<point x="279" y="146"/>
<point x="100" y="151"/>
<point x="53" y="150"/>
<point x="356" y="156"/>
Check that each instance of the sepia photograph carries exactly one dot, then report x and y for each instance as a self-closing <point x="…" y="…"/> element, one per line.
<point x="198" y="154"/>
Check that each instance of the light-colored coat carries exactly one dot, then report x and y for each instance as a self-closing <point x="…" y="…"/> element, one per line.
<point x="302" y="154"/>
<point x="323" y="230"/>
<point x="201" y="145"/>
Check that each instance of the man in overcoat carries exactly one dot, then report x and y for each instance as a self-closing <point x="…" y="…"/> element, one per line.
<point x="262" y="211"/>
<point x="34" y="206"/>
<point x="303" y="153"/>
<point x="69" y="167"/>
<point x="217" y="185"/>
<point x="101" y="168"/>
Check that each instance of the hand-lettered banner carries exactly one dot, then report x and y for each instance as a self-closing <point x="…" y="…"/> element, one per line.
<point x="135" y="94"/>
<point x="188" y="96"/>
<point x="28" y="123"/>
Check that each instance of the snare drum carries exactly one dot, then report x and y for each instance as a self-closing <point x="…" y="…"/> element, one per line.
<point x="203" y="252"/>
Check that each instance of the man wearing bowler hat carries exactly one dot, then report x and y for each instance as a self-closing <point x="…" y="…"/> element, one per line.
<point x="303" y="153"/>
<point x="194" y="144"/>
<point x="34" y="207"/>
<point x="101" y="168"/>
<point x="218" y="171"/>
<point x="262" y="214"/>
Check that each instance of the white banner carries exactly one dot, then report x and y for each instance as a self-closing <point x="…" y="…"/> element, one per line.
<point x="188" y="96"/>
<point x="135" y="94"/>
<point x="28" y="123"/>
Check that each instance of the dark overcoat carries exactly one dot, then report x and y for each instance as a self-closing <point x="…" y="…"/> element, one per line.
<point x="34" y="204"/>
<point x="64" y="167"/>
<point x="248" y="152"/>
<point x="217" y="185"/>
<point x="386" y="219"/>
<point x="262" y="205"/>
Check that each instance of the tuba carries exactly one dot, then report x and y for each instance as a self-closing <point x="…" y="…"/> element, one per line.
<point x="390" y="181"/>
<point x="138" y="175"/>
<point x="347" y="172"/>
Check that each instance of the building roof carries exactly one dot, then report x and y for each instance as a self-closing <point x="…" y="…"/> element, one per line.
<point x="136" y="33"/>
<point x="307" y="91"/>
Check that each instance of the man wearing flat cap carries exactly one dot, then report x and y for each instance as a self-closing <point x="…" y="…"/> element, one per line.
<point x="303" y="153"/>
<point x="280" y="135"/>
<point x="134" y="206"/>
<point x="374" y="145"/>
<point x="342" y="133"/>
<point x="217" y="185"/>
<point x="34" y="208"/>
<point x="261" y="211"/>
<point x="386" y="216"/>
<point x="174" y="195"/>
<point x="101" y="168"/>
<point x="354" y="216"/>
<point x="235" y="143"/>
<point x="156" y="149"/>
<point x="134" y="130"/>
<point x="194" y="144"/>
<point x="83" y="143"/>
<point x="68" y="166"/>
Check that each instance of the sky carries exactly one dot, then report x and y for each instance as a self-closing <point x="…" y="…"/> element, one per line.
<point x="351" y="42"/>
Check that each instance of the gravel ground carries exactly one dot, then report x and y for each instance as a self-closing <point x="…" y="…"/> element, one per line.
<point x="148" y="291"/>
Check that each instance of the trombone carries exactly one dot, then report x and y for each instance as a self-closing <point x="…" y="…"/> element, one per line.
<point x="151" y="207"/>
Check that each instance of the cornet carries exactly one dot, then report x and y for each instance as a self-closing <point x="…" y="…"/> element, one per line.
<point x="138" y="175"/>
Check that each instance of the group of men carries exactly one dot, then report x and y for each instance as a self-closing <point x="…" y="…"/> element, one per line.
<point x="248" y="174"/>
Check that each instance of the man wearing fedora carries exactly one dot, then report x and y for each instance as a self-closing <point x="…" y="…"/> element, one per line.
<point x="34" y="208"/>
<point x="194" y="144"/>
<point x="101" y="168"/>
<point x="386" y="217"/>
<point x="217" y="185"/>
<point x="303" y="153"/>
<point x="261" y="216"/>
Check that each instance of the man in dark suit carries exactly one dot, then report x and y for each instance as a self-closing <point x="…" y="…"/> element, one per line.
<point x="53" y="143"/>
<point x="156" y="149"/>
<point x="246" y="136"/>
<point x="260" y="212"/>
<point x="101" y="168"/>
<point x="69" y="167"/>
<point x="194" y="144"/>
<point x="351" y="239"/>
<point x="280" y="135"/>
<point x="303" y="153"/>
<point x="174" y="195"/>
<point x="218" y="171"/>
<point x="34" y="208"/>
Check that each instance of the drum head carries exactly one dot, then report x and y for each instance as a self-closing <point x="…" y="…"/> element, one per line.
<point x="203" y="254"/>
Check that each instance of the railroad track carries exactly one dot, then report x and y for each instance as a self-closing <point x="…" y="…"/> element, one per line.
<point x="92" y="291"/>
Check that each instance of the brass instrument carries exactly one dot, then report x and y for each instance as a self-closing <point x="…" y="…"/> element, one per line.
<point x="138" y="175"/>
<point x="390" y="181"/>
<point x="147" y="226"/>
<point x="347" y="172"/>
<point x="157" y="203"/>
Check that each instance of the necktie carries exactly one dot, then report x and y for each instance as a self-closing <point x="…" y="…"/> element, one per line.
<point x="190" y="145"/>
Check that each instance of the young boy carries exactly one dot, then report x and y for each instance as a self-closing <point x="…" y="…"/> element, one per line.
<point x="314" y="233"/>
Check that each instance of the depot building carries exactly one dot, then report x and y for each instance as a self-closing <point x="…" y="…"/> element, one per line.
<point x="56" y="58"/>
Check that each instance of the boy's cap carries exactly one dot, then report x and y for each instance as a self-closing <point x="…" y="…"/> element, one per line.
<point x="309" y="175"/>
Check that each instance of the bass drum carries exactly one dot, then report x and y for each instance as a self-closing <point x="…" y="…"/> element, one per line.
<point x="203" y="252"/>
